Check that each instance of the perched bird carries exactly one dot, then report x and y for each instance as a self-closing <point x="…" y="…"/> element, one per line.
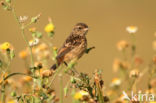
<point x="74" y="46"/>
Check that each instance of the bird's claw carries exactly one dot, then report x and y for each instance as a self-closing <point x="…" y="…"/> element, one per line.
<point x="89" y="49"/>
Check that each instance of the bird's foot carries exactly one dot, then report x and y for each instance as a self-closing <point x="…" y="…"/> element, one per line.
<point x="89" y="49"/>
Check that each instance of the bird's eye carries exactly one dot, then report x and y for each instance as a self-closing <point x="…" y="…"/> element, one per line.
<point x="79" y="27"/>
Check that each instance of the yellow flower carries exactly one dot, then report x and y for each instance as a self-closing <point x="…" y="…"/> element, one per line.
<point x="49" y="28"/>
<point x="121" y="45"/>
<point x="32" y="29"/>
<point x="5" y="46"/>
<point x="132" y="29"/>
<point x="149" y="91"/>
<point x="152" y="102"/>
<point x="110" y="92"/>
<point x="134" y="73"/>
<point x="27" y="78"/>
<point x="42" y="46"/>
<point x="116" y="65"/>
<point x="116" y="82"/>
<point x="54" y="48"/>
<point x="11" y="101"/>
<point x="46" y="73"/>
<point x="154" y="45"/>
<point x="80" y="95"/>
<point x="23" y="54"/>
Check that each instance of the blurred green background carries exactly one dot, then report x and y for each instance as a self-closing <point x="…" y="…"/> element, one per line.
<point x="107" y="20"/>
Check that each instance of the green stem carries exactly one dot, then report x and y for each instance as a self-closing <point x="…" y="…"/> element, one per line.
<point x="99" y="91"/>
<point x="133" y="45"/>
<point x="30" y="49"/>
<point x="3" y="93"/>
<point x="23" y="35"/>
<point x="61" y="88"/>
<point x="3" y="82"/>
<point x="13" y="74"/>
<point x="16" y="18"/>
<point x="57" y="71"/>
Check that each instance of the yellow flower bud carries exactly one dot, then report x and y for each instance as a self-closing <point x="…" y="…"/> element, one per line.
<point x="32" y="29"/>
<point x="81" y="95"/>
<point x="5" y="46"/>
<point x="54" y="48"/>
<point x="49" y="28"/>
<point x="11" y="101"/>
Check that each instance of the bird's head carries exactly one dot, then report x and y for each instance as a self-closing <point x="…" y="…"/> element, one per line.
<point x="80" y="29"/>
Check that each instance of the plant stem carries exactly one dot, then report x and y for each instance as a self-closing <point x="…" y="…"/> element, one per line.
<point x="133" y="44"/>
<point x="56" y="73"/>
<point x="61" y="88"/>
<point x="23" y="35"/>
<point x="99" y="91"/>
<point x="3" y="93"/>
<point x="30" y="49"/>
<point x="22" y="27"/>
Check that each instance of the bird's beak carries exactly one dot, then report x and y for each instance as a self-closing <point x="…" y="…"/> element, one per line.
<point x="86" y="29"/>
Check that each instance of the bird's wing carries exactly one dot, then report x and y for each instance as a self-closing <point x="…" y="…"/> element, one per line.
<point x="69" y="44"/>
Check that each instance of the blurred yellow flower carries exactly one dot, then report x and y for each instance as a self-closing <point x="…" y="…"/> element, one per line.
<point x="46" y="73"/>
<point x="32" y="29"/>
<point x="5" y="46"/>
<point x="116" y="82"/>
<point x="42" y="46"/>
<point x="27" y="78"/>
<point x="116" y="65"/>
<point x="154" y="59"/>
<point x="149" y="91"/>
<point x="11" y="101"/>
<point x="110" y="92"/>
<point x="23" y="54"/>
<point x="80" y="95"/>
<point x="49" y="28"/>
<point x="152" y="102"/>
<point x="134" y="73"/>
<point x="154" y="45"/>
<point x="121" y="45"/>
<point x="54" y="48"/>
<point x="153" y="83"/>
<point x="132" y="29"/>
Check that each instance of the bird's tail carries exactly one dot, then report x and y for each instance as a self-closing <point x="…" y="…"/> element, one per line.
<point x="54" y="67"/>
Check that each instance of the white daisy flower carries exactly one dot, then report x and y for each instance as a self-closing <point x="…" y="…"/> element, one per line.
<point x="34" y="42"/>
<point x="23" y="18"/>
<point x="132" y="29"/>
<point x="116" y="82"/>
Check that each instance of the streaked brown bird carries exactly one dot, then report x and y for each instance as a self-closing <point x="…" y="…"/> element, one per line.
<point x="74" y="46"/>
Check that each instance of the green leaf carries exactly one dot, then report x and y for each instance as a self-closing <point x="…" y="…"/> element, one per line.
<point x="13" y="94"/>
<point x="8" y="1"/>
<point x="51" y="34"/>
<point x="1" y="64"/>
<point x="37" y="100"/>
<point x="38" y="34"/>
<point x="43" y="95"/>
<point x="65" y="91"/>
<point x="33" y="19"/>
<point x="12" y="54"/>
<point x="73" y="80"/>
<point x="71" y="64"/>
<point x="34" y="34"/>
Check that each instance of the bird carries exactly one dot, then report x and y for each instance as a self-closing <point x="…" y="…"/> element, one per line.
<point x="74" y="46"/>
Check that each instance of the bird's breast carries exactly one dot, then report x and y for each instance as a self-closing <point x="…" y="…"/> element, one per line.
<point x="76" y="52"/>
